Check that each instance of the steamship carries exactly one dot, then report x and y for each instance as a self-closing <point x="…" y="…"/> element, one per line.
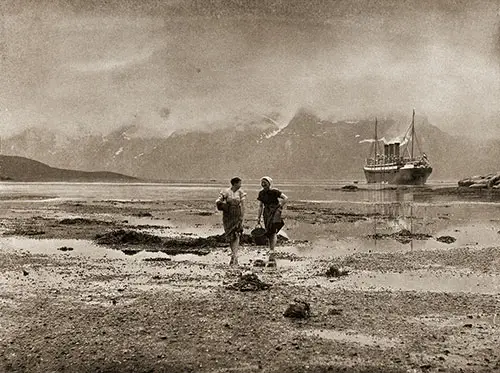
<point x="398" y="164"/>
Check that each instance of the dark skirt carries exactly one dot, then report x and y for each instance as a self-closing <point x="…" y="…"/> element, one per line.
<point x="232" y="220"/>
<point x="272" y="219"/>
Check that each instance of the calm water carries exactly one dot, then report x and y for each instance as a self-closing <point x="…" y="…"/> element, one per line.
<point x="313" y="191"/>
<point x="469" y="221"/>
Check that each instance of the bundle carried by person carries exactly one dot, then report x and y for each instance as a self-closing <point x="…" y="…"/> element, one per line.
<point x="221" y="205"/>
<point x="259" y="235"/>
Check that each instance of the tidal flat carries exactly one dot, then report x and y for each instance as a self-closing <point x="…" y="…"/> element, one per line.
<point x="135" y="278"/>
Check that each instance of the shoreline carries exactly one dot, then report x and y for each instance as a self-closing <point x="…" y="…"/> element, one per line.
<point x="396" y="309"/>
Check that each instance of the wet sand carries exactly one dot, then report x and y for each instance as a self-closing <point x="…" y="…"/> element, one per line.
<point x="410" y="300"/>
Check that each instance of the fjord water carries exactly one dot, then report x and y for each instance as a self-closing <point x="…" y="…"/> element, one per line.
<point x="382" y="209"/>
<point x="379" y="210"/>
<point x="387" y="210"/>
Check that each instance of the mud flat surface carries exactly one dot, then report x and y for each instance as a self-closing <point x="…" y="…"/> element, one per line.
<point x="103" y="285"/>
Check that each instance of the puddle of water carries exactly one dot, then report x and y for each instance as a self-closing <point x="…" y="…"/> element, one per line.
<point x="476" y="233"/>
<point x="51" y="246"/>
<point x="82" y="248"/>
<point x="87" y="248"/>
<point x="168" y="228"/>
<point x="350" y="336"/>
<point x="483" y="234"/>
<point x="421" y="280"/>
<point x="351" y="245"/>
<point x="348" y="246"/>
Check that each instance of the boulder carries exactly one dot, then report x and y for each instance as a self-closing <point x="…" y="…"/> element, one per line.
<point x="298" y="310"/>
<point x="489" y="181"/>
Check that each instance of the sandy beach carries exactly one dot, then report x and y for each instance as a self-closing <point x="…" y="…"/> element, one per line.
<point x="154" y="301"/>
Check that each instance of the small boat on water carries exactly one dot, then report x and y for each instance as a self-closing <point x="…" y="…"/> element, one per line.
<point x="398" y="164"/>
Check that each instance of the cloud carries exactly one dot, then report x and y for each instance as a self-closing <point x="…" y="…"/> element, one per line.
<point x="105" y="64"/>
<point x="112" y="64"/>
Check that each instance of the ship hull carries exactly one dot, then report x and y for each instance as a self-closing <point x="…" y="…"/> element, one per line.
<point x="397" y="175"/>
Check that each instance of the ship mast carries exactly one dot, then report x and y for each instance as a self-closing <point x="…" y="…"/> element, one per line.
<point x="412" y="132"/>
<point x="376" y="140"/>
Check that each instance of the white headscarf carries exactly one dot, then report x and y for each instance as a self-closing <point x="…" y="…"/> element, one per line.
<point x="268" y="179"/>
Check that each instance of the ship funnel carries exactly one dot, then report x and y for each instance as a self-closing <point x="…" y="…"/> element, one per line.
<point x="396" y="149"/>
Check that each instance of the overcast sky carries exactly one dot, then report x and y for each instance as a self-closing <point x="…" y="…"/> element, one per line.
<point x="167" y="65"/>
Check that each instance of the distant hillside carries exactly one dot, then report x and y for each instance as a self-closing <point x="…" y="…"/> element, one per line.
<point x="15" y="168"/>
<point x="308" y="147"/>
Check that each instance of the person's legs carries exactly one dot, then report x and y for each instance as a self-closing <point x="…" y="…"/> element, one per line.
<point x="272" y="244"/>
<point x="234" y="244"/>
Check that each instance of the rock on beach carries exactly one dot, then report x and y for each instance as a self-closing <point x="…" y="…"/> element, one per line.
<point x="490" y="181"/>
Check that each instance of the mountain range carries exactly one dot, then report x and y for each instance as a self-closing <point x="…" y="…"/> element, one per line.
<point x="308" y="147"/>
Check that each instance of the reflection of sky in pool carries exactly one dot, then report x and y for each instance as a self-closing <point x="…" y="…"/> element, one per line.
<point x="415" y="280"/>
<point x="350" y="336"/>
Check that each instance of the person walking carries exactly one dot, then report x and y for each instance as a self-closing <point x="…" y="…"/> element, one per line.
<point x="270" y="207"/>
<point x="232" y="204"/>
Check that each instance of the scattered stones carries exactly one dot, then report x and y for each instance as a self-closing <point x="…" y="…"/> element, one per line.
<point x="157" y="259"/>
<point x="169" y="245"/>
<point x="259" y="263"/>
<point x="142" y="214"/>
<point x="249" y="281"/>
<point x="288" y="256"/>
<point x="446" y="239"/>
<point x="335" y="311"/>
<point x="82" y="221"/>
<point x="130" y="251"/>
<point x="334" y="271"/>
<point x="349" y="188"/>
<point x="204" y="213"/>
<point x="180" y="306"/>
<point x="299" y="309"/>
<point x="130" y="237"/>
<point x="24" y="232"/>
<point x="403" y="236"/>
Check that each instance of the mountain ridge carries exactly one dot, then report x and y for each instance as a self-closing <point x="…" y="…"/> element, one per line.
<point x="308" y="147"/>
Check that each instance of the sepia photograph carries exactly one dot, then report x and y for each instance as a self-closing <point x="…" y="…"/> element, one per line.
<point x="249" y="186"/>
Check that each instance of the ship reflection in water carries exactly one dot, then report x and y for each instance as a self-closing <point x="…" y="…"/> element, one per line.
<point x="394" y="217"/>
<point x="408" y="218"/>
